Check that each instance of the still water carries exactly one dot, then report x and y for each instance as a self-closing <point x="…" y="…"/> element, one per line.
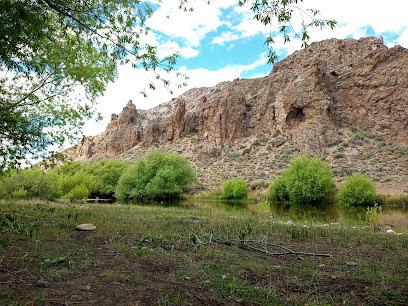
<point x="388" y="215"/>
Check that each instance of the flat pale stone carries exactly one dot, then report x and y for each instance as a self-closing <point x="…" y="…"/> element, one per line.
<point x="85" y="227"/>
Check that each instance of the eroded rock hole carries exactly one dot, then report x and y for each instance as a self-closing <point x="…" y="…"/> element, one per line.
<point x="295" y="116"/>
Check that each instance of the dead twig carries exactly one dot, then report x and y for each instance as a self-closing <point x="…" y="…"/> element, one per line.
<point x="243" y="244"/>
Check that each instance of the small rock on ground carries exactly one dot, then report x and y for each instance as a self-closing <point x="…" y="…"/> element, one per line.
<point x="85" y="227"/>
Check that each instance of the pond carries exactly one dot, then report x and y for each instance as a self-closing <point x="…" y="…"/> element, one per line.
<point x="389" y="215"/>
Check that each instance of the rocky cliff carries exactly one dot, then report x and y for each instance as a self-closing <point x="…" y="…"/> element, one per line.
<point x="342" y="99"/>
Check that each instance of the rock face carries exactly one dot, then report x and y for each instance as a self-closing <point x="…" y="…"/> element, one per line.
<point x="309" y="102"/>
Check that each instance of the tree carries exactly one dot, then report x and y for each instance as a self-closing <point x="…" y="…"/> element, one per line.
<point x="57" y="56"/>
<point x="159" y="177"/>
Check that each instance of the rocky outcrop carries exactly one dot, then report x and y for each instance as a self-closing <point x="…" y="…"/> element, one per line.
<point x="307" y="101"/>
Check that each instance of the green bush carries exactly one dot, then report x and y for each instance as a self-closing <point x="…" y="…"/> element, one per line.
<point x="71" y="184"/>
<point x="72" y="180"/>
<point x="159" y="177"/>
<point x="106" y="174"/>
<point x="20" y="193"/>
<point x="79" y="192"/>
<point x="277" y="191"/>
<point x="234" y="189"/>
<point x="29" y="183"/>
<point x="357" y="190"/>
<point x="67" y="169"/>
<point x="306" y="181"/>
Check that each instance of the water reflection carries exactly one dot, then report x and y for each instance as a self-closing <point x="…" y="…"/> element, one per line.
<point x="390" y="215"/>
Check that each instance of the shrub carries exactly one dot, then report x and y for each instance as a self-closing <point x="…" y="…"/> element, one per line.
<point x="306" y="181"/>
<point x="33" y="182"/>
<point x="357" y="190"/>
<point x="79" y="192"/>
<point x="106" y="174"/>
<point x="159" y="177"/>
<point x="20" y="193"/>
<point x="234" y="189"/>
<point x="277" y="191"/>
<point x="70" y="185"/>
<point x="68" y="168"/>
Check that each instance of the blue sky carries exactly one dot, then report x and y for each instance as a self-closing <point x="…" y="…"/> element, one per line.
<point x="221" y="41"/>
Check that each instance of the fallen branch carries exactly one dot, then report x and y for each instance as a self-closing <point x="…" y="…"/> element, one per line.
<point x="243" y="244"/>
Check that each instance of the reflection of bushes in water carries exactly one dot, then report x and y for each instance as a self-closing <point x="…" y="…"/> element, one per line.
<point x="374" y="214"/>
<point x="353" y="215"/>
<point x="325" y="213"/>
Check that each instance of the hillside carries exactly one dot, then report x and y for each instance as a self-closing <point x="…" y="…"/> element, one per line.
<point x="346" y="100"/>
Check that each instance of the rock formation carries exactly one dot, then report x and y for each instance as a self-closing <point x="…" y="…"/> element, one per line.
<point x="309" y="102"/>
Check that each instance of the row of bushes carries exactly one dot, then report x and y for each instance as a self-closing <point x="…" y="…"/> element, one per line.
<point x="310" y="181"/>
<point x="161" y="176"/>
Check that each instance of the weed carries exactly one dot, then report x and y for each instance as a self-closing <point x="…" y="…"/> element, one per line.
<point x="373" y="214"/>
<point x="171" y="298"/>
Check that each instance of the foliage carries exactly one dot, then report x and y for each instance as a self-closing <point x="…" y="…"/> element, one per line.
<point x="277" y="191"/>
<point x="306" y="181"/>
<point x="78" y="192"/>
<point x="106" y="174"/>
<point x="373" y="214"/>
<point x="29" y="183"/>
<point x="67" y="169"/>
<point x="76" y="186"/>
<point x="72" y="180"/>
<point x="20" y="193"/>
<point x="235" y="188"/>
<point x="393" y="200"/>
<point x="357" y="190"/>
<point x="159" y="177"/>
<point x="56" y="58"/>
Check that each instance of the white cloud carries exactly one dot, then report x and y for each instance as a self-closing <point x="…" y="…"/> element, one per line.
<point x="352" y="17"/>
<point x="190" y="26"/>
<point x="225" y="37"/>
<point x="171" y="47"/>
<point x="403" y="38"/>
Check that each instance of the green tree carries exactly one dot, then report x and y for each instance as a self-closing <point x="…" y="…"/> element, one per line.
<point x="106" y="174"/>
<point x="56" y="57"/>
<point x="159" y="177"/>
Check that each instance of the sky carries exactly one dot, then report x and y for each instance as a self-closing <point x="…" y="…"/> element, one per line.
<point x="221" y="41"/>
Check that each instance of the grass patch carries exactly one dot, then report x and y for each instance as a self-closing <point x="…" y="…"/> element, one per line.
<point x="167" y="256"/>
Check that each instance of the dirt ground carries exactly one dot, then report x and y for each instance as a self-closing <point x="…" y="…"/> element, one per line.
<point x="60" y="266"/>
